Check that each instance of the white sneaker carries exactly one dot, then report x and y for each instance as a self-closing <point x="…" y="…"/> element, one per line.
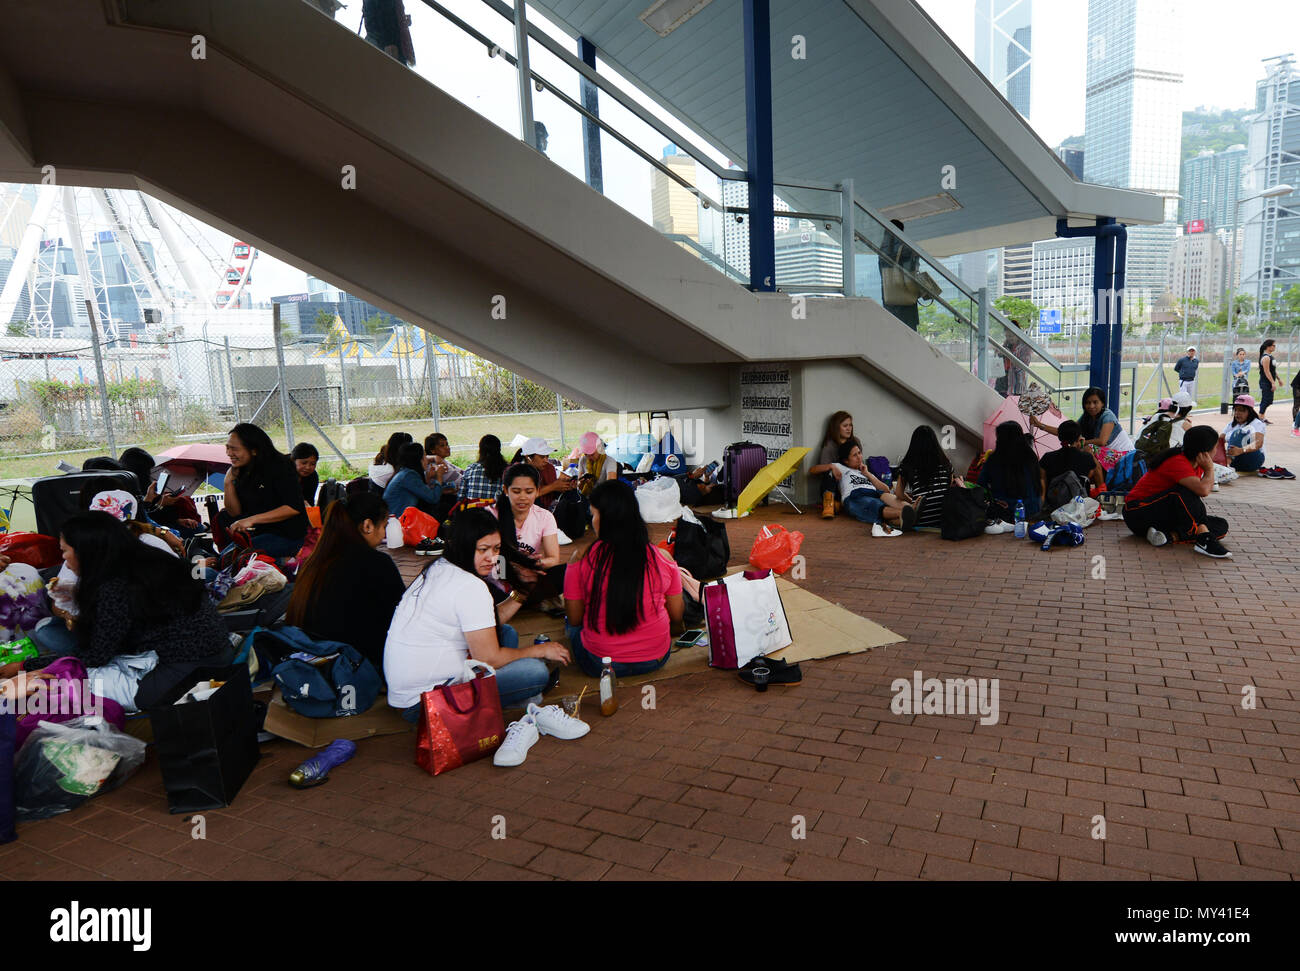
<point x="552" y="720"/>
<point x="520" y="737"/>
<point x="881" y="529"/>
<point x="1156" y="538"/>
<point x="1214" y="487"/>
<point x="562" y="538"/>
<point x="994" y="529"/>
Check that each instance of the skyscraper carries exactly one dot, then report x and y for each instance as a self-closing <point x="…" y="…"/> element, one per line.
<point x="1003" y="49"/>
<point x="1133" y="123"/>
<point x="673" y="207"/>
<point x="1211" y="183"/>
<point x="1271" y="256"/>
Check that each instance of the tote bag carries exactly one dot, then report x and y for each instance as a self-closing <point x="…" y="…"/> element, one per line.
<point x="897" y="288"/>
<point x="460" y="723"/>
<point x="745" y="618"/>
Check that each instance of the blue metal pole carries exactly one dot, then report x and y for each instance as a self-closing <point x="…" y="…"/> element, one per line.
<point x="591" y="130"/>
<point x="1103" y="274"/>
<point x="758" y="143"/>
<point x="1117" y="321"/>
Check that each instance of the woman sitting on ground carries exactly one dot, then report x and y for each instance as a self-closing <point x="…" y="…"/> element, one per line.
<point x="924" y="475"/>
<point x="132" y="599"/>
<point x="536" y="452"/>
<point x="263" y="498"/>
<point x="595" y="465"/>
<point x="839" y="429"/>
<point x="348" y="588"/>
<point x="171" y="509"/>
<point x="305" y="457"/>
<point x="1102" y="431"/>
<point x="865" y="497"/>
<point x="1012" y="475"/>
<point x="385" y="465"/>
<point x="447" y="616"/>
<point x="482" y="480"/>
<point x="407" y="488"/>
<point x="1243" y="437"/>
<point x="534" y="541"/>
<point x="1167" y="503"/>
<point x="623" y="599"/>
<point x="438" y="467"/>
<point x="1070" y="457"/>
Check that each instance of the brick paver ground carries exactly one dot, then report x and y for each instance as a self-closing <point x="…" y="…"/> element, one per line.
<point x="1120" y="697"/>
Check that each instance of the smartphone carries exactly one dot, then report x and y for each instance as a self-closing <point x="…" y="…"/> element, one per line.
<point x="162" y="482"/>
<point x="689" y="638"/>
<point x="709" y="471"/>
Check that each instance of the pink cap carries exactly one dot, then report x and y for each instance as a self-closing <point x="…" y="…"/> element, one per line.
<point x="589" y="443"/>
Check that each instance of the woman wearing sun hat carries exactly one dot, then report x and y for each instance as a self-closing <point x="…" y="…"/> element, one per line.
<point x="593" y="464"/>
<point x="1243" y="437"/>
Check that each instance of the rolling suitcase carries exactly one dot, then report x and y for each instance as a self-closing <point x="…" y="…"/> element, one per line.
<point x="740" y="463"/>
<point x="56" y="497"/>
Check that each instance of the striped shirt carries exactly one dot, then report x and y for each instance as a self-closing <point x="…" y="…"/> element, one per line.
<point x="934" y="488"/>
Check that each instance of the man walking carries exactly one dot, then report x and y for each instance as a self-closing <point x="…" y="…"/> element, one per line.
<point x="1186" y="370"/>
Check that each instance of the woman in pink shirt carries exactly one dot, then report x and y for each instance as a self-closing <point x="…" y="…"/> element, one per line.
<point x="623" y="599"/>
<point x="532" y="550"/>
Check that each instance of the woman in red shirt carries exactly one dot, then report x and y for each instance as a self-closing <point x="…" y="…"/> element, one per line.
<point x="1165" y="504"/>
<point x="623" y="599"/>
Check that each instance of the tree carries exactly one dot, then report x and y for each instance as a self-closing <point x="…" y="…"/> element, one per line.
<point x="375" y="325"/>
<point x="1290" y="302"/>
<point x="1023" y="312"/>
<point x="17" y="328"/>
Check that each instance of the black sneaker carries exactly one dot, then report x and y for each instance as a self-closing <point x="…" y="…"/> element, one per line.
<point x="769" y="671"/>
<point x="430" y="547"/>
<point x="1207" y="545"/>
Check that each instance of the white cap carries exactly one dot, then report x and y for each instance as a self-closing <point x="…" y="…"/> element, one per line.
<point x="1183" y="400"/>
<point x="536" y="446"/>
<point x="1191" y="348"/>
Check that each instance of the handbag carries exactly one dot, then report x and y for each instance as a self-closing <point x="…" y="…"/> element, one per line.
<point x="745" y="618"/>
<point x="701" y="546"/>
<point x="964" y="513"/>
<point x="897" y="288"/>
<point x="206" y="749"/>
<point x="775" y="548"/>
<point x="460" y="723"/>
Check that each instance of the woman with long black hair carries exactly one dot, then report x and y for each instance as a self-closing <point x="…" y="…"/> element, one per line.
<point x="132" y="599"/>
<point x="263" y="497"/>
<point x="407" y="487"/>
<point x="348" y="588"/>
<point x="1012" y="475"/>
<point x="1168" y="502"/>
<point x="532" y="548"/>
<point x="925" y="475"/>
<point x="482" y="479"/>
<point x="623" y="599"/>
<point x="385" y="465"/>
<point x="447" y="615"/>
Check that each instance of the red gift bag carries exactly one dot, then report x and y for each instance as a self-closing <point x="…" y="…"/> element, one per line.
<point x="460" y="723"/>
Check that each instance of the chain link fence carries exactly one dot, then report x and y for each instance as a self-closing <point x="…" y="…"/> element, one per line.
<point x="162" y="392"/>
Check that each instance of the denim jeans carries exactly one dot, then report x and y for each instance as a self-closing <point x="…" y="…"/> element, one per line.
<point x="865" y="505"/>
<point x="1248" y="461"/>
<point x="518" y="682"/>
<point x="55" y="638"/>
<point x="590" y="663"/>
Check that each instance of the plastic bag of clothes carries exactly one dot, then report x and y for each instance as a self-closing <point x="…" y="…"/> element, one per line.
<point x="61" y="765"/>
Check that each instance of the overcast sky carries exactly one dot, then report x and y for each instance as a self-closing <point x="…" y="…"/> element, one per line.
<point x="1225" y="43"/>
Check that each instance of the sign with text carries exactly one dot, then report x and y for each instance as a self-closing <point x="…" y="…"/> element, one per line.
<point x="1049" y="321"/>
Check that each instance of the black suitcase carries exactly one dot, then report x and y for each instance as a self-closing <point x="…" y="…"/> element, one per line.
<point x="56" y="497"/>
<point x="740" y="463"/>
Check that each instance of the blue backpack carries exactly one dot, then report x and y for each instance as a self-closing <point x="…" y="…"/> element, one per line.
<point x="1124" y="476"/>
<point x="318" y="679"/>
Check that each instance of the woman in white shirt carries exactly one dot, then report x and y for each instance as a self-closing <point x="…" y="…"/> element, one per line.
<point x="386" y="465"/>
<point x="447" y="615"/>
<point x="1243" y="438"/>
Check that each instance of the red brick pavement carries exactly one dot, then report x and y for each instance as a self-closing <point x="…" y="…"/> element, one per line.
<point x="1120" y="698"/>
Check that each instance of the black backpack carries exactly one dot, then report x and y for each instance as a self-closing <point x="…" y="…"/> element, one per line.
<point x="965" y="512"/>
<point x="1062" y="489"/>
<point x="571" y="511"/>
<point x="702" y="548"/>
<point x="330" y="491"/>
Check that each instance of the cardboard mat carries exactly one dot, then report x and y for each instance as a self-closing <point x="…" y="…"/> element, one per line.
<point x="818" y="627"/>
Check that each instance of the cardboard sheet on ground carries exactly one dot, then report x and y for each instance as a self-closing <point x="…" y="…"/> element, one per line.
<point x="819" y="629"/>
<point x="283" y="721"/>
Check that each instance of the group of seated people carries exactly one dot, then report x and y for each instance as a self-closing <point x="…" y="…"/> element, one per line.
<point x="622" y="599"/>
<point x="1164" y="503"/>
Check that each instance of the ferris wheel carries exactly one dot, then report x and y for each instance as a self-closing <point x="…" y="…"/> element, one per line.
<point x="134" y="258"/>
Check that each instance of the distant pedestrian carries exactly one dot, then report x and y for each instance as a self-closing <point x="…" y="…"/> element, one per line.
<point x="899" y="288"/>
<point x="1240" y="373"/>
<point x="1268" y="379"/>
<point x="1186" y="369"/>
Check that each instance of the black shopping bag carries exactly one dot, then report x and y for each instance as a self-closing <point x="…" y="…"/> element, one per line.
<point x="8" y="728"/>
<point x="206" y="749"/>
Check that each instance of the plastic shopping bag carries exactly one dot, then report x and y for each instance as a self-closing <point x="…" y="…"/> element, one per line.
<point x="417" y="525"/>
<point x="660" y="500"/>
<point x="61" y="765"/>
<point x="775" y="548"/>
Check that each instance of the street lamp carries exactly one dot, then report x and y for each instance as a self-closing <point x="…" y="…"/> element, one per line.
<point x="1231" y="284"/>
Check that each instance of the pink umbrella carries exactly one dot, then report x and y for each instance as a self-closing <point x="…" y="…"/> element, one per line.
<point x="1010" y="411"/>
<point x="189" y="465"/>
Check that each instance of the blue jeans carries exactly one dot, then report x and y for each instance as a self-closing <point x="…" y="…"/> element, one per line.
<point x="1248" y="461"/>
<point x="517" y="682"/>
<point x="591" y="666"/>
<point x="865" y="505"/>
<point x="55" y="638"/>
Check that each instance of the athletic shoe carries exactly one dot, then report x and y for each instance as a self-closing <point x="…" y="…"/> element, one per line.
<point x="1156" y="538"/>
<point x="562" y="538"/>
<point x="1214" y="487"/>
<point x="520" y="737"/>
<point x="1285" y="473"/>
<point x="317" y="769"/>
<point x="1296" y="432"/>
<point x="997" y="527"/>
<point x="430" y="547"/>
<point x="1271" y="473"/>
<point x="828" y="505"/>
<point x="552" y="720"/>
<point x="909" y="517"/>
<point x="1207" y="545"/>
<point x="880" y="529"/>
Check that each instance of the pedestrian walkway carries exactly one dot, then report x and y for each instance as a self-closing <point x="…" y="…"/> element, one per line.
<point x="1121" y="701"/>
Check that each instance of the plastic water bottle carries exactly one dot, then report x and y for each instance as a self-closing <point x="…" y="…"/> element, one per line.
<point x="572" y="470"/>
<point x="608" y="699"/>
<point x="393" y="534"/>
<point x="541" y="639"/>
<point x="1020" y="519"/>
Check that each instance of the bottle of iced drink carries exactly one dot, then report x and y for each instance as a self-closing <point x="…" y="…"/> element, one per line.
<point x="608" y="700"/>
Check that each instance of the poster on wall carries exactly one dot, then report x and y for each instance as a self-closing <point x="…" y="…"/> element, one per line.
<point x="766" y="409"/>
